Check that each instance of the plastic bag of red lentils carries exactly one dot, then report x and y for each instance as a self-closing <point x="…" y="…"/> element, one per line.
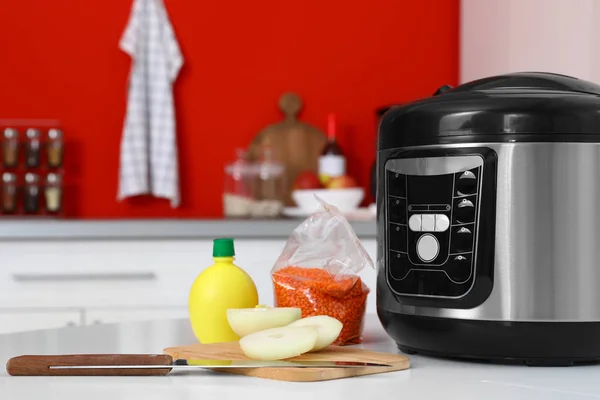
<point x="318" y="269"/>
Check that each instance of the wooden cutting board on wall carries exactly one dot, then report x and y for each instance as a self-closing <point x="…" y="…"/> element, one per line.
<point x="232" y="351"/>
<point x="296" y="144"/>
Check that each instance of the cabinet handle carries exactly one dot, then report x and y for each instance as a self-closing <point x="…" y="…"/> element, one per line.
<point x="96" y="322"/>
<point x="133" y="276"/>
<point x="70" y="323"/>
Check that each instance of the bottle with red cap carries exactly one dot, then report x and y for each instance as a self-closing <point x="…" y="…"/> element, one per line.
<point x="332" y="162"/>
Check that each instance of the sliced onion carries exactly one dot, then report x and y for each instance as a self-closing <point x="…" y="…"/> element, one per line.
<point x="279" y="343"/>
<point x="244" y="321"/>
<point x="328" y="329"/>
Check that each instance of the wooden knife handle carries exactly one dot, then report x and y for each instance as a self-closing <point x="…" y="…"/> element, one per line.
<point x="39" y="365"/>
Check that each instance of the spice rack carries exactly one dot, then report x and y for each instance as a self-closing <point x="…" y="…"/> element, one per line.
<point x="31" y="170"/>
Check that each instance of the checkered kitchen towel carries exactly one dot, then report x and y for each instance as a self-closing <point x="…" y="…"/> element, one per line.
<point x="148" y="163"/>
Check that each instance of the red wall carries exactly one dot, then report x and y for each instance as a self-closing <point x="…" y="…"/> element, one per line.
<point x="60" y="59"/>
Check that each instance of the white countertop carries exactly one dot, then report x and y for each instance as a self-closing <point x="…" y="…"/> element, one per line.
<point x="159" y="229"/>
<point x="428" y="378"/>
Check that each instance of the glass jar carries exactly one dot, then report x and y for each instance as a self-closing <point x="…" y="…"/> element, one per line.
<point x="9" y="193"/>
<point x="237" y="190"/>
<point x="32" y="193"/>
<point x="53" y="193"/>
<point x="268" y="185"/>
<point x="10" y="148"/>
<point x="32" y="150"/>
<point x="54" y="148"/>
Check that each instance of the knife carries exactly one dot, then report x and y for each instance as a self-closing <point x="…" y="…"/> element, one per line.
<point x="147" y="364"/>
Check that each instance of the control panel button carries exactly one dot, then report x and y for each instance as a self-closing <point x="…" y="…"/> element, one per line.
<point x="397" y="235"/>
<point x="465" y="211"/>
<point x="458" y="268"/>
<point x="442" y="223"/>
<point x="399" y="265"/>
<point x="427" y="247"/>
<point x="396" y="184"/>
<point x="462" y="239"/>
<point x="414" y="223"/>
<point x="465" y="203"/>
<point x="427" y="223"/>
<point x="397" y="210"/>
<point x="466" y="183"/>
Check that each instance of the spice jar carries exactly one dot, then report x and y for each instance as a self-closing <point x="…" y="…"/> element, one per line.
<point x="10" y="147"/>
<point x="237" y="194"/>
<point x="32" y="152"/>
<point x="32" y="193"/>
<point x="54" y="148"/>
<point x="268" y="185"/>
<point x="9" y="193"/>
<point x="53" y="193"/>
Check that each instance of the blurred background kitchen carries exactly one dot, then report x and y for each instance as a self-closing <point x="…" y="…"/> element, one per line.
<point x="113" y="188"/>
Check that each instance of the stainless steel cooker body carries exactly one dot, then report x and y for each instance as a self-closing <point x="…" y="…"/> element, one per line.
<point x="542" y="238"/>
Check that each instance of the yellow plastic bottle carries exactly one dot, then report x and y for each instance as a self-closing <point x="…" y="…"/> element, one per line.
<point x="221" y="286"/>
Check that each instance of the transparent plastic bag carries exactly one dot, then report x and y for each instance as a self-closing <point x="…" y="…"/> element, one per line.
<point x="318" y="269"/>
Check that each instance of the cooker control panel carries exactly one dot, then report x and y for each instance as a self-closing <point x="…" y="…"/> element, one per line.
<point x="432" y="215"/>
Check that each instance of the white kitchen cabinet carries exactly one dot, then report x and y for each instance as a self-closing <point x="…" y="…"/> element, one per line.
<point x="114" y="281"/>
<point x="118" y="315"/>
<point x="120" y="274"/>
<point x="18" y="321"/>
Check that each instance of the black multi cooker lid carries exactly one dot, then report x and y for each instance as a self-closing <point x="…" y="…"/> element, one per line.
<point x="528" y="106"/>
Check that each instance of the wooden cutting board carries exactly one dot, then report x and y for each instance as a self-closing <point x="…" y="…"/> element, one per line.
<point x="232" y="351"/>
<point x="296" y="144"/>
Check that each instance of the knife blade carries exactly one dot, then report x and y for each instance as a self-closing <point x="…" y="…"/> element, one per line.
<point x="149" y="364"/>
<point x="196" y="364"/>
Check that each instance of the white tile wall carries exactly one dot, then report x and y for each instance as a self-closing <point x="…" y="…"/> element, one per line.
<point x="501" y="36"/>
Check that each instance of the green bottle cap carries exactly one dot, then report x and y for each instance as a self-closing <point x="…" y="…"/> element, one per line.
<point x="223" y="248"/>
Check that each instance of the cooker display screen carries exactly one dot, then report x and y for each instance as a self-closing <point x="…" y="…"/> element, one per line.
<point x="429" y="189"/>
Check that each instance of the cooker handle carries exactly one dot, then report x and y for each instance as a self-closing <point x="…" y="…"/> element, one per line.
<point x="442" y="89"/>
<point x="528" y="80"/>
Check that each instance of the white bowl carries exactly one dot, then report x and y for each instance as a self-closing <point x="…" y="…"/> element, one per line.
<point x="344" y="199"/>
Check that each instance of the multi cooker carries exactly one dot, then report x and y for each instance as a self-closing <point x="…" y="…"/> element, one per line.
<point x="488" y="221"/>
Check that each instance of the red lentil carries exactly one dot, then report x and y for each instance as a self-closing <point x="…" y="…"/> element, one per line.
<point x="316" y="292"/>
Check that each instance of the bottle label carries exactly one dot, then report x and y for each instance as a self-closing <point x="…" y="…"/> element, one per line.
<point x="332" y="165"/>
